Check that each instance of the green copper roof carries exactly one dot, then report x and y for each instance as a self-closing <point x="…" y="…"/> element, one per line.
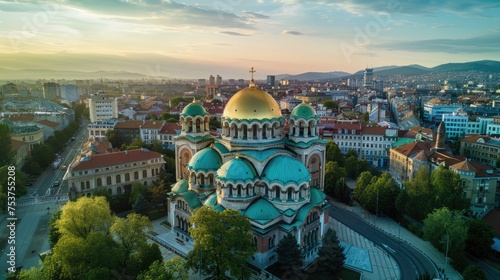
<point x="236" y="170"/>
<point x="304" y="111"/>
<point x="193" y="110"/>
<point x="262" y="210"/>
<point x="211" y="200"/>
<point x="205" y="160"/>
<point x="195" y="139"/>
<point x="219" y="208"/>
<point x="403" y="141"/>
<point x="192" y="199"/>
<point x="181" y="186"/>
<point x="221" y="148"/>
<point x="302" y="144"/>
<point x="285" y="170"/>
<point x="264" y="154"/>
<point x="317" y="196"/>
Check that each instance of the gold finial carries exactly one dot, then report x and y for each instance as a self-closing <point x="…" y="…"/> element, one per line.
<point x="252" y="82"/>
<point x="194" y="100"/>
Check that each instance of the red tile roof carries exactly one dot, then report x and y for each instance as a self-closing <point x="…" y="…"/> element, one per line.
<point x="153" y="124"/>
<point x="413" y="148"/>
<point x="373" y="130"/>
<point x="48" y="123"/>
<point x="105" y="160"/>
<point x="170" y="128"/>
<point x="472" y="138"/>
<point x="22" y="117"/>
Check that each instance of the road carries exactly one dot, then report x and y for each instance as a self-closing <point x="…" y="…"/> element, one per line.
<point x="490" y="272"/>
<point x="43" y="186"/>
<point x="411" y="262"/>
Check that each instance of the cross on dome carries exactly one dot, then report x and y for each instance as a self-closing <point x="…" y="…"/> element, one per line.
<point x="252" y="82"/>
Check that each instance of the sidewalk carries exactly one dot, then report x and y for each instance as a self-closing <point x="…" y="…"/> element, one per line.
<point x="393" y="228"/>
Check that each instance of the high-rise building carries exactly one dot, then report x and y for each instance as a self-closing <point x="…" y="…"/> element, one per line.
<point x="211" y="80"/>
<point x="69" y="93"/>
<point x="202" y="82"/>
<point x="102" y="107"/>
<point x="218" y="80"/>
<point x="271" y="80"/>
<point x="368" y="78"/>
<point x="51" y="90"/>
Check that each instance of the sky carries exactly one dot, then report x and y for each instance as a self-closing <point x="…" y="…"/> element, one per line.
<point x="196" y="39"/>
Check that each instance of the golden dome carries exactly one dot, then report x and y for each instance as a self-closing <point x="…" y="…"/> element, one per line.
<point x="252" y="103"/>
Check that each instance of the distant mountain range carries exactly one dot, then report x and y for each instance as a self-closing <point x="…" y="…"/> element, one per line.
<point x="22" y="74"/>
<point x="489" y="66"/>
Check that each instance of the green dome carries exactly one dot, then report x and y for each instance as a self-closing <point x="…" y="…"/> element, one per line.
<point x="262" y="210"/>
<point x="317" y="196"/>
<point x="304" y="111"/>
<point x="211" y="200"/>
<point x="193" y="110"/>
<point x="205" y="160"/>
<point x="284" y="170"/>
<point x="236" y="170"/>
<point x="181" y="186"/>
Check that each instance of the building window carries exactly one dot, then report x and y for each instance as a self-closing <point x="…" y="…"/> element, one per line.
<point x="144" y="174"/>
<point x="118" y="179"/>
<point x="136" y="175"/>
<point x="99" y="182"/>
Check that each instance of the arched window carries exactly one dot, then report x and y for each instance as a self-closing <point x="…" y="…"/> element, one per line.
<point x="244" y="131"/>
<point x="118" y="178"/>
<point x="255" y="129"/>
<point x="239" y="190"/>
<point x="277" y="192"/>
<point x="264" y="131"/>
<point x="99" y="182"/>
<point x="136" y="175"/>
<point x="289" y="193"/>
<point x="127" y="177"/>
<point x="108" y="180"/>
<point x="198" y="125"/>
<point x="144" y="174"/>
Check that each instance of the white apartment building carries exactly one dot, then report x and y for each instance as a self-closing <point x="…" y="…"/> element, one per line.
<point x="372" y="143"/>
<point x="458" y="124"/>
<point x="150" y="131"/>
<point x="115" y="171"/>
<point x="98" y="129"/>
<point x="102" y="107"/>
<point x="434" y="109"/>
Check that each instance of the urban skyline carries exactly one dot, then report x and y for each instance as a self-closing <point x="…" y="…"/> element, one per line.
<point x="190" y="39"/>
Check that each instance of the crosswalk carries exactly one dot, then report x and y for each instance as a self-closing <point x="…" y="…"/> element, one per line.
<point x="42" y="200"/>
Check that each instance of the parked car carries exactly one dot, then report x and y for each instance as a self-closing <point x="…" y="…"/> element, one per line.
<point x="56" y="183"/>
<point x="64" y="167"/>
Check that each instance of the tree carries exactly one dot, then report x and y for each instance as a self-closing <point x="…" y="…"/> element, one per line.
<point x="54" y="234"/>
<point x="473" y="272"/>
<point x="333" y="153"/>
<point x="102" y="191"/>
<point x="333" y="174"/>
<point x="419" y="196"/>
<point x="76" y="257"/>
<point x="138" y="188"/>
<point x="290" y="257"/>
<point x="331" y="256"/>
<point x="446" y="229"/>
<point x="6" y="153"/>
<point x="87" y="214"/>
<point x="330" y="104"/>
<point x="177" y="267"/>
<point x="365" y="118"/>
<point x="156" y="270"/>
<point x="136" y="144"/>
<point x="222" y="242"/>
<point x="111" y="137"/>
<point x="479" y="237"/>
<point x="130" y="236"/>
<point x="32" y="167"/>
<point x="362" y="183"/>
<point x="448" y="190"/>
<point x="43" y="154"/>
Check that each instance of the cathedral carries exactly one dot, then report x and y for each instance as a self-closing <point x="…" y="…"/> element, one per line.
<point x="276" y="179"/>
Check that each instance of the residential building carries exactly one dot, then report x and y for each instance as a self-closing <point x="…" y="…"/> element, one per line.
<point x="102" y="107"/>
<point x="99" y="129"/>
<point x="368" y="78"/>
<point x="370" y="142"/>
<point x="479" y="182"/>
<point x="21" y="151"/>
<point x="481" y="148"/>
<point x="51" y="90"/>
<point x="435" y="108"/>
<point x="114" y="171"/>
<point x="127" y="131"/>
<point x="150" y="131"/>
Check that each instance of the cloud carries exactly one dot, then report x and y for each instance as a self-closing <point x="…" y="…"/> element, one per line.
<point x="423" y="8"/>
<point x="233" y="33"/>
<point x="292" y="32"/>
<point x="480" y="44"/>
<point x="255" y="15"/>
